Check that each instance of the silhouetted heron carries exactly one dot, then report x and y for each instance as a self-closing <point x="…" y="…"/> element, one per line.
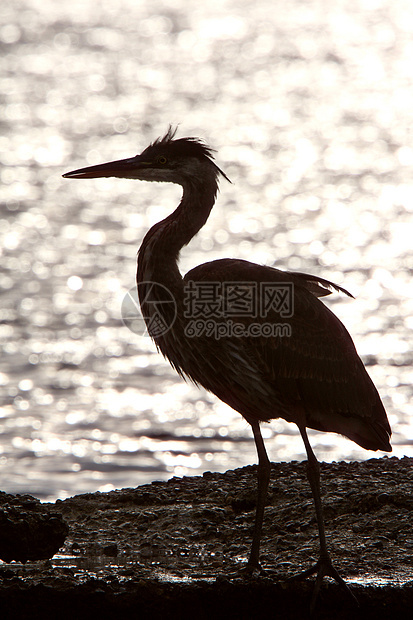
<point x="310" y="374"/>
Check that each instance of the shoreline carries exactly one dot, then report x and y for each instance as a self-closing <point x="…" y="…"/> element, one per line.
<point x="170" y="548"/>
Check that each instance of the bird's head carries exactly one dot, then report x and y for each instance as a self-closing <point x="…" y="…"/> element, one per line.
<point x="182" y="161"/>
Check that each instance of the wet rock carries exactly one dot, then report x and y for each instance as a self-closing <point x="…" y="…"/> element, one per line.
<point x="167" y="553"/>
<point x="26" y="535"/>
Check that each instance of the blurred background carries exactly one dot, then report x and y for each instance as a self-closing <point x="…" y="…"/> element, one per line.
<point x="310" y="107"/>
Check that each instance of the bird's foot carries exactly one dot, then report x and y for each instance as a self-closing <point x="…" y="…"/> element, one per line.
<point x="247" y="570"/>
<point x="324" y="568"/>
<point x="252" y="570"/>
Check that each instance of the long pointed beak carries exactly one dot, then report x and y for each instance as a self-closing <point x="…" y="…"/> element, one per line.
<point x="122" y="168"/>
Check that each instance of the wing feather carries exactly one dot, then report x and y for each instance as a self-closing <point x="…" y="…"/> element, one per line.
<point x="316" y="366"/>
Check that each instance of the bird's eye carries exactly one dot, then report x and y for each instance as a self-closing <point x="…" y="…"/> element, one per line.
<point x="161" y="159"/>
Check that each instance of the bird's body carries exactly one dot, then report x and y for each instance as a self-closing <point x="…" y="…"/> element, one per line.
<point x="308" y="372"/>
<point x="312" y="369"/>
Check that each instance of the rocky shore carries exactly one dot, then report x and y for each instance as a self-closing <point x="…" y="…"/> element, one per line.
<point x="175" y="549"/>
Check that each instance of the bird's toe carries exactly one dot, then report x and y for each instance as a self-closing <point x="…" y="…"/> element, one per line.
<point x="324" y="568"/>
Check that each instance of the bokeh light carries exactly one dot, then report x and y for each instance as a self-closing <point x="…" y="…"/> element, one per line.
<point x="310" y="108"/>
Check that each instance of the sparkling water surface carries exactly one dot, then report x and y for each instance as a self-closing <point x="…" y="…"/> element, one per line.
<point x="310" y="108"/>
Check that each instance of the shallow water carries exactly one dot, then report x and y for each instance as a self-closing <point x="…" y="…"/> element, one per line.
<point x="310" y="110"/>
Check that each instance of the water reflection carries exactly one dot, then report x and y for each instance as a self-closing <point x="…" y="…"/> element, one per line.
<point x="311" y="113"/>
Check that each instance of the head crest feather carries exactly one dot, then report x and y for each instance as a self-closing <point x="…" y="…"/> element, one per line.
<point x="185" y="147"/>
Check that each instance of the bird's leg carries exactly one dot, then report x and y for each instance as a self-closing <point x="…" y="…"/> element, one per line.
<point x="264" y="470"/>
<point x="324" y="566"/>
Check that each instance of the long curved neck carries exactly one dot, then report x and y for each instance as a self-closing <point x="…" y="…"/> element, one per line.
<point x="159" y="253"/>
